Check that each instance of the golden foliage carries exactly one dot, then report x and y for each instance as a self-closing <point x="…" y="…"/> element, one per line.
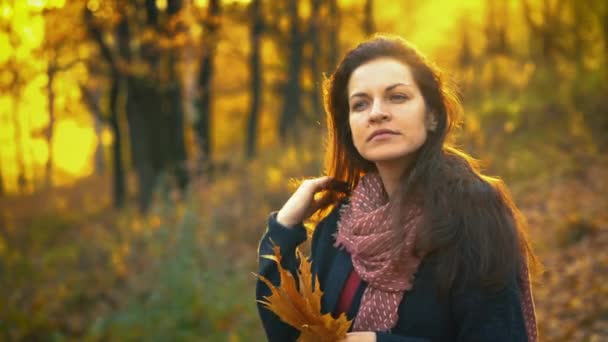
<point x="302" y="309"/>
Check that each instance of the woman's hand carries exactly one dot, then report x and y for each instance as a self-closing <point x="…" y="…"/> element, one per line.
<point x="302" y="203"/>
<point x="360" y="336"/>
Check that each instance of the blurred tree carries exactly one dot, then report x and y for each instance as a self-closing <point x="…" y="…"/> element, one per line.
<point x="579" y="26"/>
<point x="369" y="25"/>
<point x="561" y="44"/>
<point x="255" y="78"/>
<point x="465" y="56"/>
<point x="467" y="65"/>
<point x="334" y="35"/>
<point x="154" y="100"/>
<point x="174" y="110"/>
<point x="145" y="61"/>
<point x="292" y="89"/>
<point x="115" y="79"/>
<point x="300" y="41"/>
<point x="51" y="70"/>
<point x="497" y="22"/>
<point x="19" y="150"/>
<point x="496" y="44"/>
<point x="1" y="181"/>
<point x="211" y="25"/>
<point x="314" y="39"/>
<point x="545" y="34"/>
<point x="60" y="50"/>
<point x="144" y="99"/>
<point x="589" y="24"/>
<point x="17" y="72"/>
<point x="92" y="98"/>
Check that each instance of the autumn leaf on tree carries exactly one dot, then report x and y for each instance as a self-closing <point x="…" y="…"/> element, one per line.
<point x="302" y="309"/>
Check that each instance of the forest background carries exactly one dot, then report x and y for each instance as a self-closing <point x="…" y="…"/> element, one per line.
<point x="144" y="142"/>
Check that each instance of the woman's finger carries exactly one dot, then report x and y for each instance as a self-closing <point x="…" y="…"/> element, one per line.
<point x="320" y="183"/>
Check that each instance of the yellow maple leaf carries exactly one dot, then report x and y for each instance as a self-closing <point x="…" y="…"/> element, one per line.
<point x="302" y="309"/>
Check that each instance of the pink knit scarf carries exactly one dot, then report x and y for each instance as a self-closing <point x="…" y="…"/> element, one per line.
<point x="387" y="265"/>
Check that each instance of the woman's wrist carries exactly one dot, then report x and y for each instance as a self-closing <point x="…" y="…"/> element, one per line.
<point x="285" y="222"/>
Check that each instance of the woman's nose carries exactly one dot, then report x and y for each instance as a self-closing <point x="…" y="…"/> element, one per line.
<point x="378" y="112"/>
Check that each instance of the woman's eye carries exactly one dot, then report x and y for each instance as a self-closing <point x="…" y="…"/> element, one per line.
<point x="399" y="97"/>
<point x="357" y="106"/>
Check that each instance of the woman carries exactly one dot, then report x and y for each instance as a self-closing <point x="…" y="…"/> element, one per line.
<point x="420" y="246"/>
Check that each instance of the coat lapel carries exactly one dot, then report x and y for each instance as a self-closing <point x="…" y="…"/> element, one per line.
<point x="341" y="267"/>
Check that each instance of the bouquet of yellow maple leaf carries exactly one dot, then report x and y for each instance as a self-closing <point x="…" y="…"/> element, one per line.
<point x="302" y="309"/>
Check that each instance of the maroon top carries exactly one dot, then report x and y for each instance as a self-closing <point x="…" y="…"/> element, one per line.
<point x="348" y="292"/>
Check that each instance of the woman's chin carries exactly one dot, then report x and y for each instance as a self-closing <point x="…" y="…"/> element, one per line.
<point x="386" y="157"/>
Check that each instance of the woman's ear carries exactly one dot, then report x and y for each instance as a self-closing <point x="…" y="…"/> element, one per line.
<point x="431" y="121"/>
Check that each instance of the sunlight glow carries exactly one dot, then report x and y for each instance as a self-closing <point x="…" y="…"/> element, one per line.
<point x="6" y="11"/>
<point x="106" y="136"/>
<point x="73" y="147"/>
<point x="41" y="4"/>
<point x="161" y="4"/>
<point x="93" y="5"/>
<point x="431" y="26"/>
<point x="5" y="51"/>
<point x="36" y="3"/>
<point x="204" y="3"/>
<point x="40" y="151"/>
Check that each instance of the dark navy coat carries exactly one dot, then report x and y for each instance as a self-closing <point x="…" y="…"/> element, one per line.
<point x="468" y="315"/>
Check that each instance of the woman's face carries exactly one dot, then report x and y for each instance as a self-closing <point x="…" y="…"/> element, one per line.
<point x="387" y="112"/>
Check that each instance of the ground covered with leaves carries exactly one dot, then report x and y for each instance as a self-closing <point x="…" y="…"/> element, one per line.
<point x="73" y="269"/>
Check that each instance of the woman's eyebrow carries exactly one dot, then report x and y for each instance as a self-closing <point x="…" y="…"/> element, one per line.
<point x="389" y="88"/>
<point x="361" y="94"/>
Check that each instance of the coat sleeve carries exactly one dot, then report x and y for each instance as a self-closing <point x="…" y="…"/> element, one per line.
<point x="481" y="315"/>
<point x="287" y="239"/>
<point x="485" y="315"/>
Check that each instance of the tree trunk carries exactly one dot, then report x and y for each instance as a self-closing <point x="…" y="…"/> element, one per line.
<point x="118" y="171"/>
<point x="291" y="102"/>
<point x="149" y="52"/>
<point x="546" y="32"/>
<point x="334" y="35"/>
<point x="1" y="183"/>
<point x="174" y="6"/>
<point x="177" y="158"/>
<point x="465" y="57"/>
<point x="205" y="77"/>
<point x="147" y="149"/>
<point x="151" y="13"/>
<point x="315" y="58"/>
<point x="100" y="164"/>
<point x="145" y="113"/>
<point x="533" y="31"/>
<point x="369" y="26"/>
<point x="497" y="21"/>
<point x="48" y="174"/>
<point x="19" y="153"/>
<point x="142" y="102"/>
<point x="255" y="77"/>
<point x="203" y="104"/>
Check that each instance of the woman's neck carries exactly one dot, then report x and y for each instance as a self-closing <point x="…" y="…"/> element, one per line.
<point x="391" y="173"/>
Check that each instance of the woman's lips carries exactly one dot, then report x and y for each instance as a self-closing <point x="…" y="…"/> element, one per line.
<point x="381" y="134"/>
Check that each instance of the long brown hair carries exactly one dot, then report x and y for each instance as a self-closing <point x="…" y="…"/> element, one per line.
<point x="473" y="230"/>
